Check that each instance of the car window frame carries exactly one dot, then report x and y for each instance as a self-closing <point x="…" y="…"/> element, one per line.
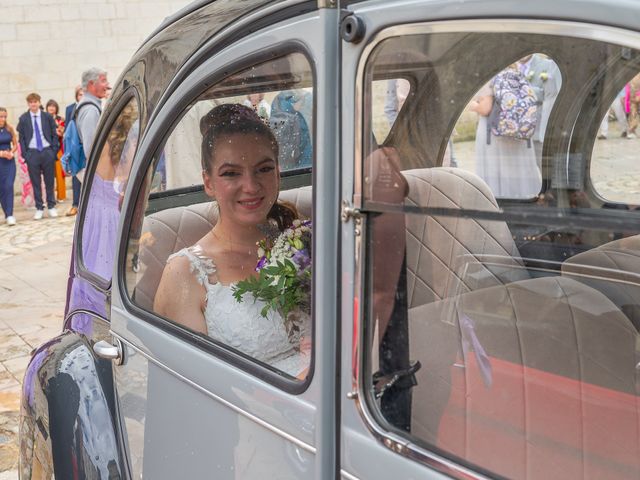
<point x="402" y="443"/>
<point x="161" y="125"/>
<point x="104" y="127"/>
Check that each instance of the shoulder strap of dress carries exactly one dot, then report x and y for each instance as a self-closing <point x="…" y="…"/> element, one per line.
<point x="201" y="265"/>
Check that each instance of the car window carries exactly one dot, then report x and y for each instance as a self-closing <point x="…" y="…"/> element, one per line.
<point x="614" y="171"/>
<point x="502" y="312"/>
<point x="100" y="214"/>
<point x="288" y="112"/>
<point x="221" y="243"/>
<point x="390" y="96"/>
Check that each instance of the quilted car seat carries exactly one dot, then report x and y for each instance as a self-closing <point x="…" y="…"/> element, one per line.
<point x="516" y="371"/>
<point x="613" y="269"/>
<point x="170" y="230"/>
<point x="449" y="255"/>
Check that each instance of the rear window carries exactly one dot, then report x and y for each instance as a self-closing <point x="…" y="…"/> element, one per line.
<point x="501" y="277"/>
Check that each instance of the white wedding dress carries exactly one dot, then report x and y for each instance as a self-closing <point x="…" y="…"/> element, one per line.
<point x="240" y="325"/>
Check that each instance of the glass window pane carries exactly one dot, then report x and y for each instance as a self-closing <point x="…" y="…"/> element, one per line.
<point x="102" y="214"/>
<point x="502" y="285"/>
<point x="222" y="243"/>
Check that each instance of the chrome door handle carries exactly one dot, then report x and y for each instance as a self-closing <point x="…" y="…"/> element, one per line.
<point x="108" y="351"/>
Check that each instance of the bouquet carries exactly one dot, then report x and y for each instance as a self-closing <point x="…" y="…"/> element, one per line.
<point x="284" y="275"/>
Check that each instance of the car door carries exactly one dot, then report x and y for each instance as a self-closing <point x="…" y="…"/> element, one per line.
<point x="190" y="406"/>
<point x="488" y="335"/>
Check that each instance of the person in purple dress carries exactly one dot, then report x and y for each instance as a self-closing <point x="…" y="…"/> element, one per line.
<point x="8" y="145"/>
<point x="100" y="227"/>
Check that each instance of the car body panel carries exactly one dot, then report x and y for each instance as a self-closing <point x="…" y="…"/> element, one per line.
<point x="252" y="412"/>
<point x="377" y="15"/>
<point x="69" y="422"/>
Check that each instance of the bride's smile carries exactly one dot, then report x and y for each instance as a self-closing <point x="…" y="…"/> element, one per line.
<point x="243" y="179"/>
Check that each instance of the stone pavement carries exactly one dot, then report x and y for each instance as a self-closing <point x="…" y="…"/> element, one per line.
<point x="34" y="264"/>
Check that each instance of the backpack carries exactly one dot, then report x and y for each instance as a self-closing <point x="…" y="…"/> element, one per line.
<point x="514" y="107"/>
<point x="73" y="159"/>
<point x="291" y="132"/>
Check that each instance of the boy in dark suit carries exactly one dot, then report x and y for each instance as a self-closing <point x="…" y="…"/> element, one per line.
<point x="39" y="144"/>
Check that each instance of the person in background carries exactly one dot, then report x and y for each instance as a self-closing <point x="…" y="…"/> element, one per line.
<point x="61" y="188"/>
<point x="544" y="76"/>
<point x="96" y="87"/>
<point x="75" y="183"/>
<point x="26" y="197"/>
<point x="39" y="145"/>
<point x="507" y="164"/>
<point x="291" y="129"/>
<point x="632" y="105"/>
<point x="259" y="105"/>
<point x="618" y="110"/>
<point x="8" y="146"/>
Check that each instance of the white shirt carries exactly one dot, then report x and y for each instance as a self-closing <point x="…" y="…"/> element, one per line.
<point x="32" y="143"/>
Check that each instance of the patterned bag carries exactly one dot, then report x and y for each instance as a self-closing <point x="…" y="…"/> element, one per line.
<point x="514" y="107"/>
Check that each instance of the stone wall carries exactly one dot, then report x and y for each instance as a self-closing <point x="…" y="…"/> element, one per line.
<point x="46" y="44"/>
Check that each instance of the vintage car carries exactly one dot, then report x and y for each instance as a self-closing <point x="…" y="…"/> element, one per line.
<point x="475" y="298"/>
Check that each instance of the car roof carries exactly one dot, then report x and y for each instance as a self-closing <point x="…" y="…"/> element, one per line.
<point x="161" y="58"/>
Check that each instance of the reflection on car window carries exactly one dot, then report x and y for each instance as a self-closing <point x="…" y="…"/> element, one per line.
<point x="288" y="111"/>
<point x="234" y="264"/>
<point x="502" y="295"/>
<point x="103" y="207"/>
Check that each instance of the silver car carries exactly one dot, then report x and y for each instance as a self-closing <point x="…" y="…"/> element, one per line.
<point x="471" y="171"/>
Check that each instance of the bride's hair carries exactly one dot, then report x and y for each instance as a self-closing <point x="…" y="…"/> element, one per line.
<point x="231" y="119"/>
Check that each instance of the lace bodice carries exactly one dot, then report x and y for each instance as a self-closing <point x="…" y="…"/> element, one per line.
<point x="240" y="325"/>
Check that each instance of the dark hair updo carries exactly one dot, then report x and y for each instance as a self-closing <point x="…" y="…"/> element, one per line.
<point x="231" y="119"/>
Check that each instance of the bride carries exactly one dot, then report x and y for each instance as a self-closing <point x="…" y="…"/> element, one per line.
<point x="240" y="172"/>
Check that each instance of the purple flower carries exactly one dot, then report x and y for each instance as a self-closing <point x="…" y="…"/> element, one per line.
<point x="302" y="259"/>
<point x="261" y="263"/>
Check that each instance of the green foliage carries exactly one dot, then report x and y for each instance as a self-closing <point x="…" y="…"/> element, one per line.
<point x="279" y="286"/>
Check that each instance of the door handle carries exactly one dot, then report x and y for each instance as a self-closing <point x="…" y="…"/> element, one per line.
<point x="108" y="351"/>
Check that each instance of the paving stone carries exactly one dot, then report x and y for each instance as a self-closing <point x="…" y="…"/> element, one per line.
<point x="9" y="402"/>
<point x="17" y="366"/>
<point x="9" y="475"/>
<point x="38" y="338"/>
<point x="34" y="264"/>
<point x="8" y="381"/>
<point x="12" y="347"/>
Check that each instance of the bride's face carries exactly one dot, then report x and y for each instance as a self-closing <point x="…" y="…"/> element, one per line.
<point x="244" y="178"/>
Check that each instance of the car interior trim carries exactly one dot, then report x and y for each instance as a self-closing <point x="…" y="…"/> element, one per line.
<point x="346" y="475"/>
<point x="327" y="4"/>
<point x="562" y="217"/>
